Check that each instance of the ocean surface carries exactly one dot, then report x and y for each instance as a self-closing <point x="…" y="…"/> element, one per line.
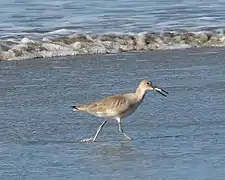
<point x="180" y="136"/>
<point x="35" y="29"/>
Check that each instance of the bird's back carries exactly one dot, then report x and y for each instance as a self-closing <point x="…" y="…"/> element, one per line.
<point x="112" y="106"/>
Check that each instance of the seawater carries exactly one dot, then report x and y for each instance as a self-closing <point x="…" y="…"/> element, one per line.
<point x="177" y="137"/>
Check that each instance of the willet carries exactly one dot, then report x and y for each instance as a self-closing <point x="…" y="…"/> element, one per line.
<point x="119" y="106"/>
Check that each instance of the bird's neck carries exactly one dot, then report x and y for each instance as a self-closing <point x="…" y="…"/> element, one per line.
<point x="140" y="94"/>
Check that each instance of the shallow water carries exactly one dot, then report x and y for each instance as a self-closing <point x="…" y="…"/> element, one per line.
<point x="177" y="137"/>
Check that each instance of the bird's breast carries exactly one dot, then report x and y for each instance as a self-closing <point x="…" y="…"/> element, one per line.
<point x="130" y="110"/>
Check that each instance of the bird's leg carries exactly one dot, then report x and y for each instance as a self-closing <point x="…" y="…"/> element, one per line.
<point x="93" y="139"/>
<point x="121" y="129"/>
<point x="99" y="129"/>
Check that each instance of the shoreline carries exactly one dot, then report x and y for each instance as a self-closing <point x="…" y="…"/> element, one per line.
<point x="80" y="44"/>
<point x="177" y="53"/>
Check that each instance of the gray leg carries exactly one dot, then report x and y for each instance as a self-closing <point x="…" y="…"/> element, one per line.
<point x="99" y="129"/>
<point x="121" y="129"/>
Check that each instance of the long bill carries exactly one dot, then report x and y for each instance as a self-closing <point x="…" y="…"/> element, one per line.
<point x="160" y="91"/>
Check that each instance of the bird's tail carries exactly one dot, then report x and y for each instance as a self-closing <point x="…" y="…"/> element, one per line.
<point x="77" y="108"/>
<point x="74" y="108"/>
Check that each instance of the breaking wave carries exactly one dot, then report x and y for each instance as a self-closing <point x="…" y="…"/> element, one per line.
<point x="78" y="44"/>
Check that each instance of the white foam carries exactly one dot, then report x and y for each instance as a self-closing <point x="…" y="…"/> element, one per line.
<point x="89" y="44"/>
<point x="59" y="32"/>
<point x="26" y="40"/>
<point x="178" y="46"/>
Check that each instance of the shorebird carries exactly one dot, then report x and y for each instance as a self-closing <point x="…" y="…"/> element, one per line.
<point x="118" y="107"/>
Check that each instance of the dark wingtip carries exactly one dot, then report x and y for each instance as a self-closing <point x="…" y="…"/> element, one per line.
<point x="74" y="107"/>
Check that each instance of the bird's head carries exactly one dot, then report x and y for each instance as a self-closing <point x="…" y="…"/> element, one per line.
<point x="147" y="85"/>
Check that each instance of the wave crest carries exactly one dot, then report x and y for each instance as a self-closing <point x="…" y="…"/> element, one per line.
<point x="109" y="43"/>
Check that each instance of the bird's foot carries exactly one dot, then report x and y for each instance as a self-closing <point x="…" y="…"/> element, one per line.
<point x="85" y="140"/>
<point x="127" y="137"/>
